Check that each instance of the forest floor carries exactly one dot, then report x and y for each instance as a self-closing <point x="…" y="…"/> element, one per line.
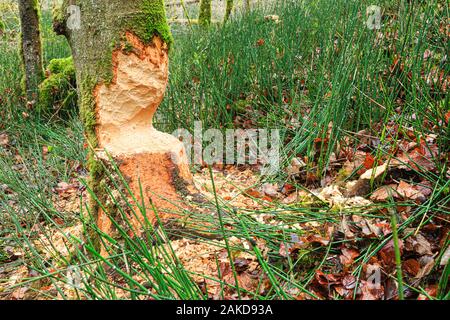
<point x="360" y="209"/>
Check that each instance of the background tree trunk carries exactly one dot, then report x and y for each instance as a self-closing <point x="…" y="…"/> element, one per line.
<point x="204" y="18"/>
<point x="228" y="10"/>
<point x="120" y="50"/>
<point x="247" y="6"/>
<point x="30" y="47"/>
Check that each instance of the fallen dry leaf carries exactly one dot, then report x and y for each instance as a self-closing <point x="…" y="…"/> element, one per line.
<point x="327" y="279"/>
<point x="411" y="267"/>
<point x="418" y="244"/>
<point x="348" y="256"/>
<point x="426" y="265"/>
<point x="347" y="294"/>
<point x="387" y="253"/>
<point x="349" y="282"/>
<point x="384" y="193"/>
<point x="19" y="293"/>
<point x="260" y="42"/>
<point x="315" y="239"/>
<point x="391" y="289"/>
<point x="410" y="192"/>
<point x="431" y="291"/>
<point x="252" y="193"/>
<point x="298" y="196"/>
<point x="63" y="187"/>
<point x="447" y="117"/>
<point x="374" y="173"/>
<point x="346" y="229"/>
<point x="370" y="229"/>
<point x="270" y="189"/>
<point x="4" y="139"/>
<point x="241" y="264"/>
<point x="420" y="162"/>
<point x="425" y="187"/>
<point x="370" y="292"/>
<point x="359" y="188"/>
<point x="295" y="167"/>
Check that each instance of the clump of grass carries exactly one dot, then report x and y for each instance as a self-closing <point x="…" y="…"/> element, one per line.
<point x="320" y="72"/>
<point x="398" y="261"/>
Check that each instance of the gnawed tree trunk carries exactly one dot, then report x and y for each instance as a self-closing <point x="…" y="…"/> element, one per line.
<point x="228" y="10"/>
<point x="120" y="50"/>
<point x="204" y="18"/>
<point x="30" y="47"/>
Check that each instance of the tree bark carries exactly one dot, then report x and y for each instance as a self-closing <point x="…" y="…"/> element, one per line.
<point x="228" y="10"/>
<point x="204" y="18"/>
<point x="120" y="50"/>
<point x="30" y="47"/>
<point x="247" y="6"/>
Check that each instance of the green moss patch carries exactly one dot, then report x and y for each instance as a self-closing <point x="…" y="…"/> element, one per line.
<point x="204" y="18"/>
<point x="57" y="93"/>
<point x="153" y="23"/>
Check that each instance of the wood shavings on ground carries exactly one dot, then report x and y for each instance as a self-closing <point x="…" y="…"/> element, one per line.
<point x="209" y="264"/>
<point x="230" y="185"/>
<point x="58" y="245"/>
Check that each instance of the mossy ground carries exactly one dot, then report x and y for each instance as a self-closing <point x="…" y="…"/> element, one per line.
<point x="57" y="93"/>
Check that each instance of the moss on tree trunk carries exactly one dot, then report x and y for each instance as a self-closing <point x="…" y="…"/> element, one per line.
<point x="229" y="9"/>
<point x="247" y="6"/>
<point x="30" y="47"/>
<point x="204" y="18"/>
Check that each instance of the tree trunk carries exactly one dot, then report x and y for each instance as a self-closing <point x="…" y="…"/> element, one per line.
<point x="30" y="47"/>
<point x="204" y="18"/>
<point x="247" y="6"/>
<point x="229" y="9"/>
<point x="120" y="50"/>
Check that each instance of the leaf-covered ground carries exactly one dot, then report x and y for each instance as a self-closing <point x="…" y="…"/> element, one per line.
<point x="347" y="242"/>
